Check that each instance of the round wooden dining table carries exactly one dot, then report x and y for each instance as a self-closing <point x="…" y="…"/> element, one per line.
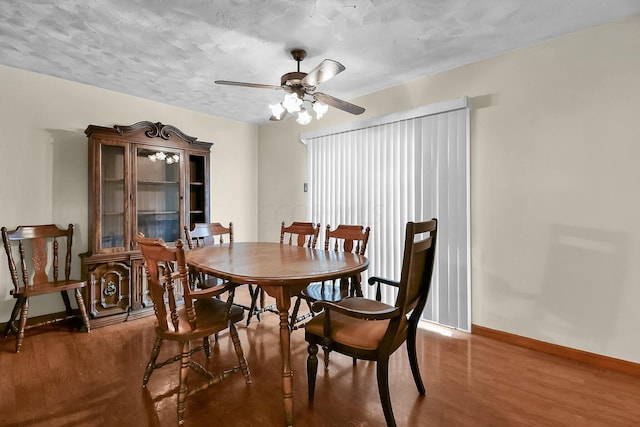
<point x="282" y="271"/>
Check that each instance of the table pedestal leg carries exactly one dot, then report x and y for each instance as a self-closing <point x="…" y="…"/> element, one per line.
<point x="287" y="373"/>
<point x="283" y="302"/>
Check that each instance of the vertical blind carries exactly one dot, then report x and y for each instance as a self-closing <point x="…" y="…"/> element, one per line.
<point x="409" y="166"/>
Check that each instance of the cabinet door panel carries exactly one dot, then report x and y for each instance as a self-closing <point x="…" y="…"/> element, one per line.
<point x="109" y="289"/>
<point x="198" y="189"/>
<point x="143" y="298"/>
<point x="113" y="192"/>
<point x="158" y="192"/>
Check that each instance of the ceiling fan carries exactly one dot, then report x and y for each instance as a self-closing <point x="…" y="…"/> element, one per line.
<point x="301" y="87"/>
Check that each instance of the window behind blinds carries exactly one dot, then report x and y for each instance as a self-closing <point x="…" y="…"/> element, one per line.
<point x="383" y="172"/>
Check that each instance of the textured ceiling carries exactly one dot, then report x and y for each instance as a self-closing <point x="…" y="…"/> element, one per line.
<point x="172" y="51"/>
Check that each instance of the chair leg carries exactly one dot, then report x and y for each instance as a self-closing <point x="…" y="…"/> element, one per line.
<point x="312" y="369"/>
<point x="344" y="288"/>
<point x="251" y="304"/>
<point x="310" y="307"/>
<point x="184" y="375"/>
<point x="83" y="311"/>
<point x="326" y="342"/>
<point x="67" y="303"/>
<point x="294" y="313"/>
<point x="24" y="311"/>
<point x="413" y="359"/>
<point x="12" y="319"/>
<point x="255" y="293"/>
<point x="244" y="367"/>
<point x="207" y="346"/>
<point x="152" y="361"/>
<point x="382" y="370"/>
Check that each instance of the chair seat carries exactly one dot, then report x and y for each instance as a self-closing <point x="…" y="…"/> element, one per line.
<point x="47" y="288"/>
<point x="210" y="319"/>
<point x="323" y="292"/>
<point x="358" y="333"/>
<point x="209" y="282"/>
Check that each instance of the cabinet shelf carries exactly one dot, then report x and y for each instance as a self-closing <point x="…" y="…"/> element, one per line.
<point x="158" y="182"/>
<point x="158" y="212"/>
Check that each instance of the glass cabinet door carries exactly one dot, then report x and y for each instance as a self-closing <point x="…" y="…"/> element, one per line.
<point x="112" y="215"/>
<point x="158" y="193"/>
<point x="197" y="189"/>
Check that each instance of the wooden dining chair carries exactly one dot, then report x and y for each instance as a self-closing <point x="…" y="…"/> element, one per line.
<point x="372" y="330"/>
<point x="200" y="316"/>
<point x="37" y="247"/>
<point x="304" y="234"/>
<point x="205" y="234"/>
<point x="345" y="238"/>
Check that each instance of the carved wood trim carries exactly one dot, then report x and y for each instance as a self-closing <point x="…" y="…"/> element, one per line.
<point x="155" y="130"/>
<point x="152" y="130"/>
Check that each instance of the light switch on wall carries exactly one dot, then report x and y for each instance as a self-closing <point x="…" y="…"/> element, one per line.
<point x="305" y="187"/>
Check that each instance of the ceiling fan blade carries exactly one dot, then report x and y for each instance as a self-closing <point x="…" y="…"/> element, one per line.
<point x="254" y="85"/>
<point x="275" y="119"/>
<point x="323" y="72"/>
<point x="338" y="103"/>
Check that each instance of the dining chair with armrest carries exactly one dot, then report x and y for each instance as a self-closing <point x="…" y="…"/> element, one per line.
<point x="200" y="316"/>
<point x="372" y="330"/>
<point x="37" y="274"/>
<point x="345" y="238"/>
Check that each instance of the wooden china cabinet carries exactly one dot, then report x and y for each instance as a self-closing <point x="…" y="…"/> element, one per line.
<point x="147" y="177"/>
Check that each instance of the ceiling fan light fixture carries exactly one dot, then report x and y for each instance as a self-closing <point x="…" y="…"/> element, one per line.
<point x="304" y="118"/>
<point x="277" y="111"/>
<point x="320" y="109"/>
<point x="292" y="102"/>
<point x="301" y="87"/>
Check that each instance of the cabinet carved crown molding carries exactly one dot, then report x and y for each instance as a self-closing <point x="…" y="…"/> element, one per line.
<point x="153" y="130"/>
<point x="156" y="130"/>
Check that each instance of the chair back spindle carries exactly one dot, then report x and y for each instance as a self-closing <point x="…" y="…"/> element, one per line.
<point x="305" y="234"/>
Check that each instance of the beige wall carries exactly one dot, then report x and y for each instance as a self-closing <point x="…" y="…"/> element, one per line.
<point x="554" y="184"/>
<point x="43" y="177"/>
<point x="554" y="177"/>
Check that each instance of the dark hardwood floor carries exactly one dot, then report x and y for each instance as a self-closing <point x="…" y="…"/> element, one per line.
<point x="66" y="378"/>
